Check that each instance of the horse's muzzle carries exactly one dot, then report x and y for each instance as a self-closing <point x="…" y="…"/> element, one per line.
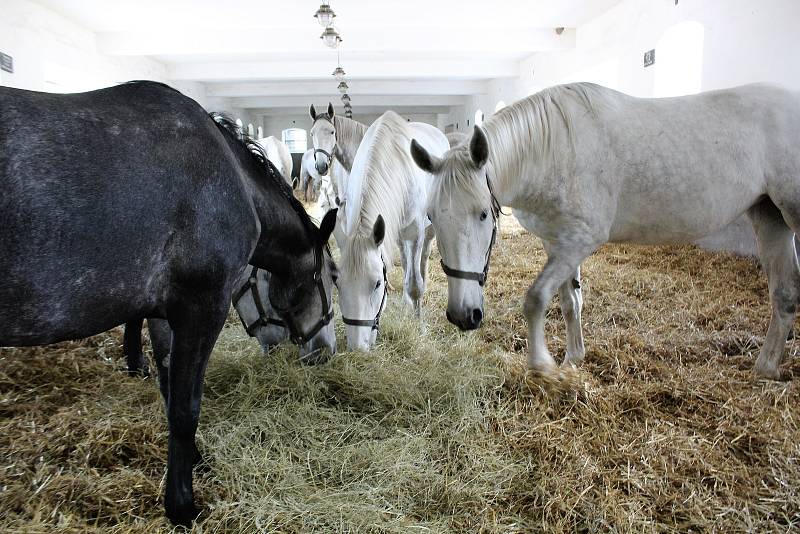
<point x="468" y="321"/>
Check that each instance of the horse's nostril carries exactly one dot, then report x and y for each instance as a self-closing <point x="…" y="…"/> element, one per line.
<point x="477" y="316"/>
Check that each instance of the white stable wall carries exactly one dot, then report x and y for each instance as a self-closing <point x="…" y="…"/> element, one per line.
<point x="52" y="53"/>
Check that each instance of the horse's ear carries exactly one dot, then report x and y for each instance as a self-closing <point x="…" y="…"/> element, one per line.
<point x="479" y="147"/>
<point x="330" y="110"/>
<point x="313" y="113"/>
<point x="327" y="225"/>
<point x="426" y="162"/>
<point x="295" y="183"/>
<point x="379" y="231"/>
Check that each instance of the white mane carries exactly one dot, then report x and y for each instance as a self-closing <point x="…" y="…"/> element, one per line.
<point x="535" y="121"/>
<point x="378" y="185"/>
<point x="349" y="134"/>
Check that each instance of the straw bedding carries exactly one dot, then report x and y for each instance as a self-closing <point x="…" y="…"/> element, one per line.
<point x="663" y="428"/>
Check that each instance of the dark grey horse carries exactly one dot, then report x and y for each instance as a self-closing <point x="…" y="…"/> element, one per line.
<point x="132" y="202"/>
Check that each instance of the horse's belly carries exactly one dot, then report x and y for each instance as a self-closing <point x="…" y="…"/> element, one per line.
<point x="672" y="220"/>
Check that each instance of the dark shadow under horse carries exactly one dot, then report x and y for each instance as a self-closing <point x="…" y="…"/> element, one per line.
<point x="133" y="202"/>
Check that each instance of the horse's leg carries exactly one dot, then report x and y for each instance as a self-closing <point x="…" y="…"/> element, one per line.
<point x="562" y="263"/>
<point x="570" y="297"/>
<point x="407" y="258"/>
<point x="132" y="347"/>
<point x="418" y="272"/>
<point x="776" y="248"/>
<point x="426" y="252"/>
<point x="195" y="324"/>
<point x="161" y="339"/>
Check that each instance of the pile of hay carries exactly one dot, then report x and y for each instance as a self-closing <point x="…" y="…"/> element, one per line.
<point x="664" y="427"/>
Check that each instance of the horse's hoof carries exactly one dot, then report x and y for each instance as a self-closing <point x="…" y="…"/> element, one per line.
<point x="772" y="373"/>
<point x="182" y="515"/>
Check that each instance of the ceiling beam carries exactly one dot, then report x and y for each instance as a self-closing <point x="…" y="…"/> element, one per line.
<point x="386" y="101"/>
<point x="188" y="42"/>
<point x="360" y="87"/>
<point x="227" y="71"/>
<point x="358" y="110"/>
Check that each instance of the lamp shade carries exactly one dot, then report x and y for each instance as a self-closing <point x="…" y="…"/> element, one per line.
<point x="338" y="73"/>
<point x="325" y="15"/>
<point x="343" y="87"/>
<point x="331" y="37"/>
<point x="346" y="98"/>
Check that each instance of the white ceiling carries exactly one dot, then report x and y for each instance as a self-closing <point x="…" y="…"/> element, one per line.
<point x="266" y="55"/>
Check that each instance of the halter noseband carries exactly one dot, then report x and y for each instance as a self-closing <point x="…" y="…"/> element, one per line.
<point x="482" y="276"/>
<point x="297" y="337"/>
<point x="263" y="319"/>
<point x="376" y="322"/>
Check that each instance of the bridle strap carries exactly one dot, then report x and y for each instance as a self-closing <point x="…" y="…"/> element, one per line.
<point x="376" y="322"/>
<point x="263" y="319"/>
<point x="328" y="155"/>
<point x="482" y="276"/>
<point x="297" y="337"/>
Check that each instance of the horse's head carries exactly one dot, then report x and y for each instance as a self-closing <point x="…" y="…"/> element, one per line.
<point x="305" y="303"/>
<point x="363" y="286"/>
<point x="464" y="214"/>
<point x="323" y="135"/>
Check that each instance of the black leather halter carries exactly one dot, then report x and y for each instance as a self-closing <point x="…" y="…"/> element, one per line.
<point x="263" y="318"/>
<point x="482" y="276"/>
<point x="297" y="337"/>
<point x="376" y="322"/>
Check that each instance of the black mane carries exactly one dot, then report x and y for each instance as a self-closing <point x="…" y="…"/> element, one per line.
<point x="231" y="129"/>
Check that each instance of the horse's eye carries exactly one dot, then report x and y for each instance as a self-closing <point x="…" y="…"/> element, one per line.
<point x="378" y="284"/>
<point x="483" y="215"/>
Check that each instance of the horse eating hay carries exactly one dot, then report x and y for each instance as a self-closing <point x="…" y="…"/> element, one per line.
<point x="386" y="206"/>
<point x="582" y="165"/>
<point x="101" y="229"/>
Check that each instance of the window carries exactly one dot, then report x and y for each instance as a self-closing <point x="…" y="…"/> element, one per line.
<point x="260" y="131"/>
<point x="479" y="118"/>
<point x="296" y="139"/>
<point x="679" y="60"/>
<point x="250" y="130"/>
<point x="500" y="105"/>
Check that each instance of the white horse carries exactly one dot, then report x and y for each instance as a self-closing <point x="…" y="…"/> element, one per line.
<point x="582" y="165"/>
<point x="278" y="153"/>
<point x="386" y="206"/>
<point x="335" y="138"/>
<point x="310" y="178"/>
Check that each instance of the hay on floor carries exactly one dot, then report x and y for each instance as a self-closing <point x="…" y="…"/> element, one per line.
<point x="664" y="428"/>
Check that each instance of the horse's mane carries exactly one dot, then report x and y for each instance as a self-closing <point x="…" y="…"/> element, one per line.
<point x="386" y="173"/>
<point x="259" y="156"/>
<point x="348" y="131"/>
<point x="532" y="123"/>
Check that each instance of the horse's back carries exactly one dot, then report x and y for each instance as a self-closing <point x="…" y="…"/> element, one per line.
<point x="278" y="153"/>
<point x="703" y="159"/>
<point x="108" y="196"/>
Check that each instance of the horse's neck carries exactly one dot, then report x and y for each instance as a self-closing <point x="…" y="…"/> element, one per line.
<point x="509" y="182"/>
<point x="285" y="245"/>
<point x="345" y="151"/>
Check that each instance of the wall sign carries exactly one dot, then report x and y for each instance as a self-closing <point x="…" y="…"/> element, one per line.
<point x="6" y="63"/>
<point x="649" y="57"/>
